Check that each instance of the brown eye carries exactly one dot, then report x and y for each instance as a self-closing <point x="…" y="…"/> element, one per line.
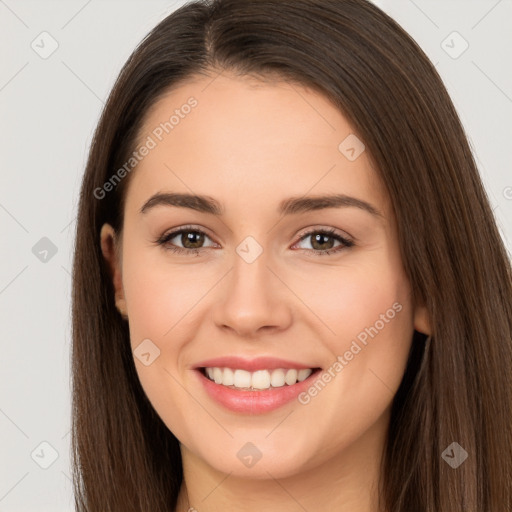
<point x="322" y="241"/>
<point x="185" y="240"/>
<point x="192" y="239"/>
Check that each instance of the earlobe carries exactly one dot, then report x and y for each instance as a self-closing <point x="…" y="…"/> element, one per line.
<point x="109" y="249"/>
<point x="422" y="320"/>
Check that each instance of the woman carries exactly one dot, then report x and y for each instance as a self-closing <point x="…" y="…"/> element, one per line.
<point x="289" y="291"/>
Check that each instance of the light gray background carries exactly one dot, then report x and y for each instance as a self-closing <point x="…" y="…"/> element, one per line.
<point x="49" y="109"/>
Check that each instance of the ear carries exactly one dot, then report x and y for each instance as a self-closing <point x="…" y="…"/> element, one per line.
<point x="422" y="320"/>
<point x="111" y="250"/>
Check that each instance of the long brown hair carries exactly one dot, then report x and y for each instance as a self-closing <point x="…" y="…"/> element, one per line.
<point x="457" y="386"/>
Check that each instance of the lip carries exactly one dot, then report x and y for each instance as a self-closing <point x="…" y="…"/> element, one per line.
<point x="251" y="365"/>
<point x="253" y="402"/>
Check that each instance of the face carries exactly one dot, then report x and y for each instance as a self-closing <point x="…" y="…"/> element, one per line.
<point x="297" y="307"/>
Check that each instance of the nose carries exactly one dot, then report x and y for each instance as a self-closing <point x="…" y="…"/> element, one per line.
<point x="253" y="299"/>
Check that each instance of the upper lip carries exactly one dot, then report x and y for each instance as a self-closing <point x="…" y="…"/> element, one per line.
<point x="251" y="365"/>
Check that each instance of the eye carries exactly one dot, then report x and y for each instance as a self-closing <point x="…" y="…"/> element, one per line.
<point x="190" y="238"/>
<point x="322" y="241"/>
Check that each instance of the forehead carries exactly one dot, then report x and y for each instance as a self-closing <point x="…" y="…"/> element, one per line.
<point x="241" y="109"/>
<point x="249" y="140"/>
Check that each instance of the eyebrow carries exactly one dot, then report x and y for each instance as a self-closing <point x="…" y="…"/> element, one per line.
<point x="290" y="206"/>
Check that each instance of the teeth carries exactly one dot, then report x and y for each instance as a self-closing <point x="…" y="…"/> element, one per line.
<point x="217" y="375"/>
<point x="291" y="377"/>
<point x="242" y="379"/>
<point x="277" y="378"/>
<point x="260" y="379"/>
<point x="303" y="374"/>
<point x="228" y="377"/>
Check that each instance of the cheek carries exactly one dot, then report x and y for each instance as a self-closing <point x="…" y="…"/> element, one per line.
<point x="367" y="320"/>
<point x="161" y="301"/>
<point x="349" y="298"/>
<point x="159" y="295"/>
<point x="370" y="328"/>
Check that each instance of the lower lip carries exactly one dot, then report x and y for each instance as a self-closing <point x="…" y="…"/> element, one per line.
<point x="254" y="402"/>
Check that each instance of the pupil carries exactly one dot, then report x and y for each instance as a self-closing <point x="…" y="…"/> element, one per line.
<point x="192" y="237"/>
<point x="319" y="239"/>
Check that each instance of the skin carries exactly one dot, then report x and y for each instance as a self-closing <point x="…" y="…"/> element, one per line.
<point x="250" y="144"/>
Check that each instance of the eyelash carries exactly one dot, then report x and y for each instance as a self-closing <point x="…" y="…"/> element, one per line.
<point x="163" y="241"/>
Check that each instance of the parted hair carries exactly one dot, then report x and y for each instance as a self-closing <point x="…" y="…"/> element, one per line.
<point x="457" y="386"/>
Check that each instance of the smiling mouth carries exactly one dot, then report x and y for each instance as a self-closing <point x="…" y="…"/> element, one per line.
<point x="260" y="380"/>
